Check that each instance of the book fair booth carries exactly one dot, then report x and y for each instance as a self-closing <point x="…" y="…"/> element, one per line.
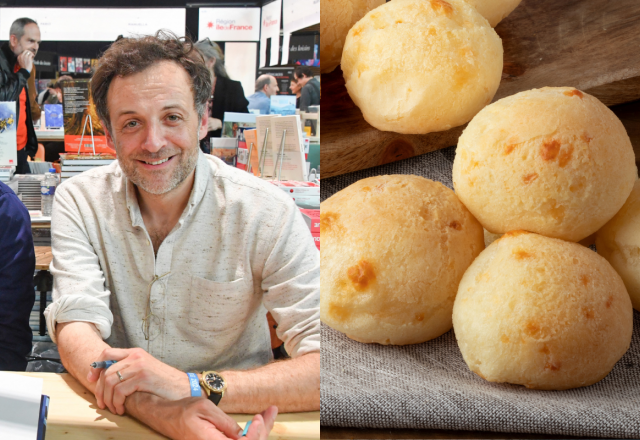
<point x="280" y="146"/>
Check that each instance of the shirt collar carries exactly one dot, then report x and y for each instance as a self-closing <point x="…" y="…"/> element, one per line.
<point x="201" y="179"/>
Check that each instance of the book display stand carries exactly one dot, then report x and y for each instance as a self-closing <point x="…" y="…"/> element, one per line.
<point x="263" y="152"/>
<point x="84" y="127"/>
<point x="280" y="156"/>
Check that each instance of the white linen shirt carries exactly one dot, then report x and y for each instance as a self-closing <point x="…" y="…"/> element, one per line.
<point x="240" y="246"/>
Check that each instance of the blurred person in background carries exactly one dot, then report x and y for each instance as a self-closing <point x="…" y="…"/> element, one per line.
<point x="266" y="86"/>
<point x="310" y="94"/>
<point x="16" y="69"/>
<point x="296" y="89"/>
<point x="226" y="95"/>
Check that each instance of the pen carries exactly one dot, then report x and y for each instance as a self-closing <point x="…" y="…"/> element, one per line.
<point x="246" y="428"/>
<point x="103" y="364"/>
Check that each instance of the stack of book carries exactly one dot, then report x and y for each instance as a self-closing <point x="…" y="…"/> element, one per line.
<point x="312" y="217"/>
<point x="74" y="164"/>
<point x="305" y="194"/>
<point x="6" y="173"/>
<point x="29" y="190"/>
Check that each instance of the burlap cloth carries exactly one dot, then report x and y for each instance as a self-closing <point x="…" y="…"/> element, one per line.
<point x="429" y="386"/>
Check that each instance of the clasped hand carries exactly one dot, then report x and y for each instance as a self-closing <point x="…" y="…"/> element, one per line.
<point x="140" y="372"/>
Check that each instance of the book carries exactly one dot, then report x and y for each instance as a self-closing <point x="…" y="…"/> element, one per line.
<point x="251" y="137"/>
<point x="283" y="105"/>
<point x="20" y="405"/>
<point x="86" y="159"/>
<point x="78" y="65"/>
<point x="71" y="64"/>
<point x="234" y="123"/>
<point x="80" y="119"/>
<point x="42" y="420"/>
<point x="8" y="133"/>
<point x="53" y="115"/>
<point x="86" y="65"/>
<point x="225" y="149"/>
<point x="294" y="166"/>
<point x="62" y="64"/>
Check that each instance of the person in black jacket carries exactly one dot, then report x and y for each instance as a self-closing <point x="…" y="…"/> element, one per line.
<point x="17" y="264"/>
<point x="310" y="94"/>
<point x="227" y="95"/>
<point x="16" y="64"/>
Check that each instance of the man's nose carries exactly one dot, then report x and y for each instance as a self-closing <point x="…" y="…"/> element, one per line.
<point x="154" y="140"/>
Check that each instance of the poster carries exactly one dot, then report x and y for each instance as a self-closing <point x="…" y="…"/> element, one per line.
<point x="8" y="142"/>
<point x="78" y="65"/>
<point x="78" y="111"/>
<point x="62" y="64"/>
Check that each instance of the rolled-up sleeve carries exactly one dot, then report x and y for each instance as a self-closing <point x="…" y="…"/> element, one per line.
<point x="291" y="280"/>
<point x="79" y="292"/>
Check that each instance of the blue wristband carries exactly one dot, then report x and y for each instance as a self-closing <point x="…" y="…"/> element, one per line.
<point x="195" y="385"/>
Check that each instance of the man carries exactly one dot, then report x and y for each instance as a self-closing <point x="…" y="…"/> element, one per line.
<point x="170" y="250"/>
<point x="266" y="86"/>
<point x="17" y="264"/>
<point x="310" y="94"/>
<point x="16" y="64"/>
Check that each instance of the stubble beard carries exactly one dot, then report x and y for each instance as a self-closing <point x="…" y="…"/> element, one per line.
<point x="154" y="184"/>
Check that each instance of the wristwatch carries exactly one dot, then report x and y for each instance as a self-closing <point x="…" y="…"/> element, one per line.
<point x="214" y="385"/>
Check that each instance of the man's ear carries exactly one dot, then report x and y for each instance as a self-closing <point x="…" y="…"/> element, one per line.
<point x="107" y="134"/>
<point x="202" y="129"/>
<point x="13" y="41"/>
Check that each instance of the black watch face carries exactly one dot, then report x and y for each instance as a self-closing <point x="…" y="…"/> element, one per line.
<point x="215" y="381"/>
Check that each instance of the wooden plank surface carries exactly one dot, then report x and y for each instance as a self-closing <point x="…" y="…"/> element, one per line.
<point x="593" y="45"/>
<point x="43" y="257"/>
<point x="74" y="415"/>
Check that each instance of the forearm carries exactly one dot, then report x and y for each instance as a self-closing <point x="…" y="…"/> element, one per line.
<point x="292" y="385"/>
<point x="79" y="344"/>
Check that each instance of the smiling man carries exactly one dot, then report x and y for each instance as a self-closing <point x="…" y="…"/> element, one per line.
<point x="167" y="261"/>
<point x="16" y="67"/>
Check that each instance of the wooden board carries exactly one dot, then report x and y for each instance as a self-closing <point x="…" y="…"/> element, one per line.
<point x="43" y="257"/>
<point x="593" y="45"/>
<point x="74" y="415"/>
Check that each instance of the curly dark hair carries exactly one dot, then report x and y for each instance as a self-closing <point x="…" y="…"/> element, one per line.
<point x="127" y="56"/>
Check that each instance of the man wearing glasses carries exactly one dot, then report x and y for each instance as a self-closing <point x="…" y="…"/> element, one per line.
<point x="176" y="254"/>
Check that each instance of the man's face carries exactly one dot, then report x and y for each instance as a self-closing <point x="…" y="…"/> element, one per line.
<point x="272" y="87"/>
<point x="154" y="126"/>
<point x="302" y="80"/>
<point x="29" y="41"/>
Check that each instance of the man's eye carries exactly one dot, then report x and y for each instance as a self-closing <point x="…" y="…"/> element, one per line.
<point x="131" y="124"/>
<point x="173" y="118"/>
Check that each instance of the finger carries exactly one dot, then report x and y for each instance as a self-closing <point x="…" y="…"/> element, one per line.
<point x="269" y="416"/>
<point x="110" y="381"/>
<point x="108" y="354"/>
<point x="99" y="391"/>
<point x="220" y="420"/>
<point x="123" y="390"/>
<point x="257" y="429"/>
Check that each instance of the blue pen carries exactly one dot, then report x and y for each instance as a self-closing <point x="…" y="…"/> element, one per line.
<point x="246" y="428"/>
<point x="103" y="364"/>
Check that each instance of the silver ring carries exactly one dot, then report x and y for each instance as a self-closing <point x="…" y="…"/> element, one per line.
<point x="119" y="376"/>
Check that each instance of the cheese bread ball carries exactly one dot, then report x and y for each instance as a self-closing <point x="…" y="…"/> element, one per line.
<point x="393" y="251"/>
<point x="494" y="10"/>
<point x="554" y="161"/>
<point x="419" y="66"/>
<point x="336" y="18"/>
<point x="619" y="242"/>
<point x="541" y="312"/>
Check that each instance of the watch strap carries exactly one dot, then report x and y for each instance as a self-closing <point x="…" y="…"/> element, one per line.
<point x="215" y="398"/>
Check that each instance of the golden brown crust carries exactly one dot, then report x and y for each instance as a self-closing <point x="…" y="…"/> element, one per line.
<point x="393" y="251"/>
<point x="555" y="161"/>
<point x="619" y="242"/>
<point x="541" y="312"/>
<point x="415" y="66"/>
